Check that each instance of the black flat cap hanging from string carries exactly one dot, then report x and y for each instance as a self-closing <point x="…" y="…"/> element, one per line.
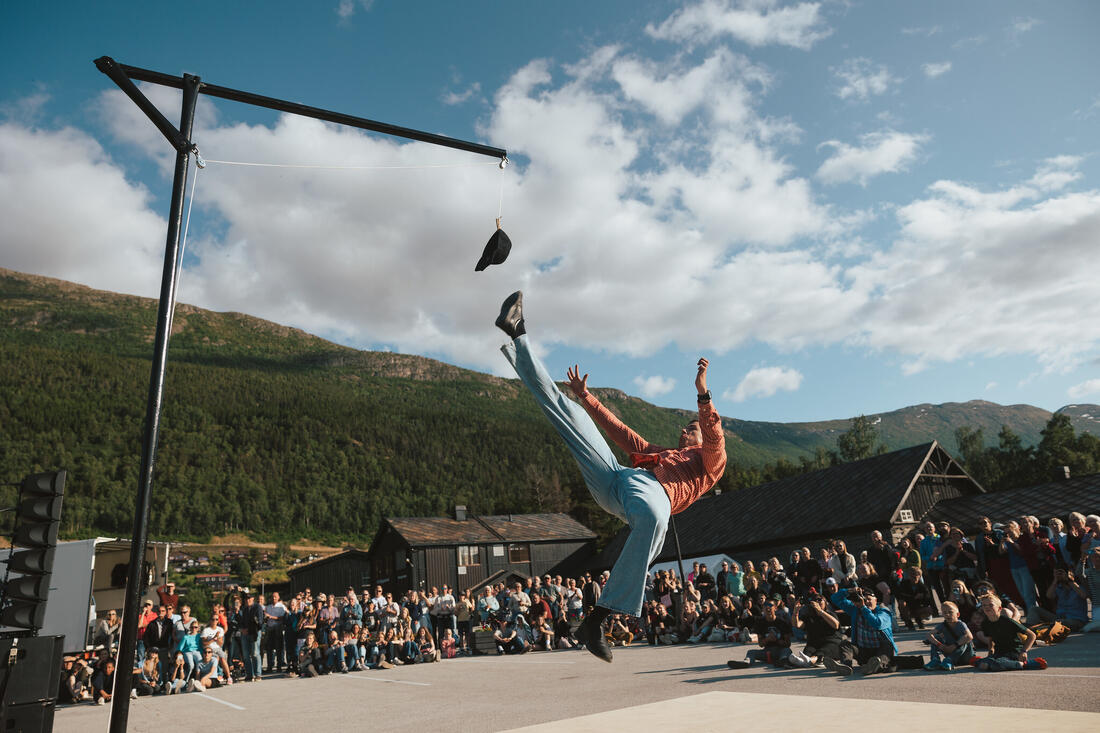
<point x="499" y="245"/>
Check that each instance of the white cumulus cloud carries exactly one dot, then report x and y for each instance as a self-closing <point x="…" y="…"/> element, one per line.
<point x="764" y="382"/>
<point x="755" y="22"/>
<point x="860" y="78"/>
<point x="936" y="68"/>
<point x="887" y="151"/>
<point x="1084" y="389"/>
<point x="654" y="386"/>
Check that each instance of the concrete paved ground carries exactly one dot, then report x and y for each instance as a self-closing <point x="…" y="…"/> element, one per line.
<point x="672" y="688"/>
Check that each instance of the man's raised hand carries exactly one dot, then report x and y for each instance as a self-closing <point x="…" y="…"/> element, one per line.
<point x="701" y="376"/>
<point x="577" y="383"/>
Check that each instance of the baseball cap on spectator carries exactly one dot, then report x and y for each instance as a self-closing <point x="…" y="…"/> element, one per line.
<point x="830" y="581"/>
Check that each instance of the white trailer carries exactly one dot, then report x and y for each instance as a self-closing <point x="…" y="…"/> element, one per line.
<point x="89" y="579"/>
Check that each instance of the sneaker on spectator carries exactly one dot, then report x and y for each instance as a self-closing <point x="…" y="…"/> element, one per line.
<point x="193" y="686"/>
<point x="872" y="665"/>
<point x="99" y="701"/>
<point x="933" y="665"/>
<point x="734" y="664"/>
<point x="1036" y="663"/>
<point x="838" y="667"/>
<point x="383" y="664"/>
<point x="947" y="666"/>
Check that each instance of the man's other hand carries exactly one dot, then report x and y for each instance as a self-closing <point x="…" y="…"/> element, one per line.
<point x="577" y="383"/>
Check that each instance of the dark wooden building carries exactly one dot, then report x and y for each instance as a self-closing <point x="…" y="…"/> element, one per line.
<point x="464" y="552"/>
<point x="332" y="574"/>
<point x="891" y="493"/>
<point x="1054" y="499"/>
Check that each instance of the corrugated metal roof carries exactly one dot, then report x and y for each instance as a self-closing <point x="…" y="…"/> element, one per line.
<point x="420" y="531"/>
<point x="1055" y="499"/>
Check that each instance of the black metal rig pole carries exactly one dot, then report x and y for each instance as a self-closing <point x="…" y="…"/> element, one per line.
<point x="120" y="699"/>
<point x="680" y="563"/>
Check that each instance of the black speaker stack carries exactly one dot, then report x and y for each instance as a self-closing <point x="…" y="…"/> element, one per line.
<point x="30" y="674"/>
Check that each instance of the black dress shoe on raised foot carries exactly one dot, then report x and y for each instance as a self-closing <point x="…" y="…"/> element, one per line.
<point x="594" y="640"/>
<point x="510" y="319"/>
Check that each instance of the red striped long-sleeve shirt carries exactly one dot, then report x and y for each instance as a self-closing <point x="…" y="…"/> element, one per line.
<point x="685" y="473"/>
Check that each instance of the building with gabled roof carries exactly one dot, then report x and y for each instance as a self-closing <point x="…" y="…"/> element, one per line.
<point x="464" y="551"/>
<point x="1054" y="499"/>
<point x="890" y="492"/>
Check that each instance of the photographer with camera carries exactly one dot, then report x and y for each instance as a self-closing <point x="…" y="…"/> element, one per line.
<point x="1071" y="602"/>
<point x="872" y="634"/>
<point x="774" y="635"/>
<point x="822" y="629"/>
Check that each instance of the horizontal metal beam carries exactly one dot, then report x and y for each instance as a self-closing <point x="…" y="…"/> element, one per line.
<point x="213" y="90"/>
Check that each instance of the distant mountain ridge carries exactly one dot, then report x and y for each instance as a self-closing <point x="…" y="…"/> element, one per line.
<point x="272" y="430"/>
<point x="124" y="324"/>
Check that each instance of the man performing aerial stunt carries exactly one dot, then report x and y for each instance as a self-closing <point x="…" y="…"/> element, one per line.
<point x="663" y="481"/>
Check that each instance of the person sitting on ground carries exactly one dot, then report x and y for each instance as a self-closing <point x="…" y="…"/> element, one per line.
<point x="872" y="634"/>
<point x="750" y="616"/>
<point x="207" y="673"/>
<point x="508" y="641"/>
<point x="951" y="643"/>
<point x="74" y="683"/>
<point x="708" y="617"/>
<point x="563" y="631"/>
<point x="1070" y="599"/>
<point x="176" y="678"/>
<point x="914" y="598"/>
<point x="774" y="635"/>
<point x="1007" y="650"/>
<point x="336" y="655"/>
<point x="425" y="645"/>
<point x="543" y="629"/>
<point x="822" y="628"/>
<point x="310" y="657"/>
<point x="617" y="632"/>
<point x="410" y="650"/>
<point x="447" y="646"/>
<point x="103" y="681"/>
<point x="146" y="678"/>
<point x="963" y="598"/>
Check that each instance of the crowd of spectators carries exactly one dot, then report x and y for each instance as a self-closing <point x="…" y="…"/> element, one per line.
<point x="993" y="591"/>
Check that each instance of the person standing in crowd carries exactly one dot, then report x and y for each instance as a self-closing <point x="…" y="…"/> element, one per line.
<point x="843" y="565"/>
<point x="159" y="634"/>
<point x="274" y="617"/>
<point x="254" y="615"/>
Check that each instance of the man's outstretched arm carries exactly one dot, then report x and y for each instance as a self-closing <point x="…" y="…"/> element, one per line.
<point x="619" y="433"/>
<point x="714" y="442"/>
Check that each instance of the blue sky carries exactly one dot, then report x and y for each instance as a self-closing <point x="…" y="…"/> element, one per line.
<point x="848" y="207"/>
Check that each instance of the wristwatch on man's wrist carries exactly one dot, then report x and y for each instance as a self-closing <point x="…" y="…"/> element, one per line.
<point x="705" y="397"/>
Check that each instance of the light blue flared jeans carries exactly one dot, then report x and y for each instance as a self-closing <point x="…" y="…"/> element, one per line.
<point x="631" y="494"/>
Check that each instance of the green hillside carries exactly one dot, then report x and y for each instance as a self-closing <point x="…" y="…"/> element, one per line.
<point x="275" y="432"/>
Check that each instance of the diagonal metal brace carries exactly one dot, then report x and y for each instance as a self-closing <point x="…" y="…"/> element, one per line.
<point x="118" y="75"/>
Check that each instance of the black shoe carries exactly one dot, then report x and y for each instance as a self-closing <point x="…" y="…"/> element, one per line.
<point x="835" y="666"/>
<point x="872" y="665"/>
<point x="593" y="639"/>
<point x="734" y="664"/>
<point x="510" y="319"/>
